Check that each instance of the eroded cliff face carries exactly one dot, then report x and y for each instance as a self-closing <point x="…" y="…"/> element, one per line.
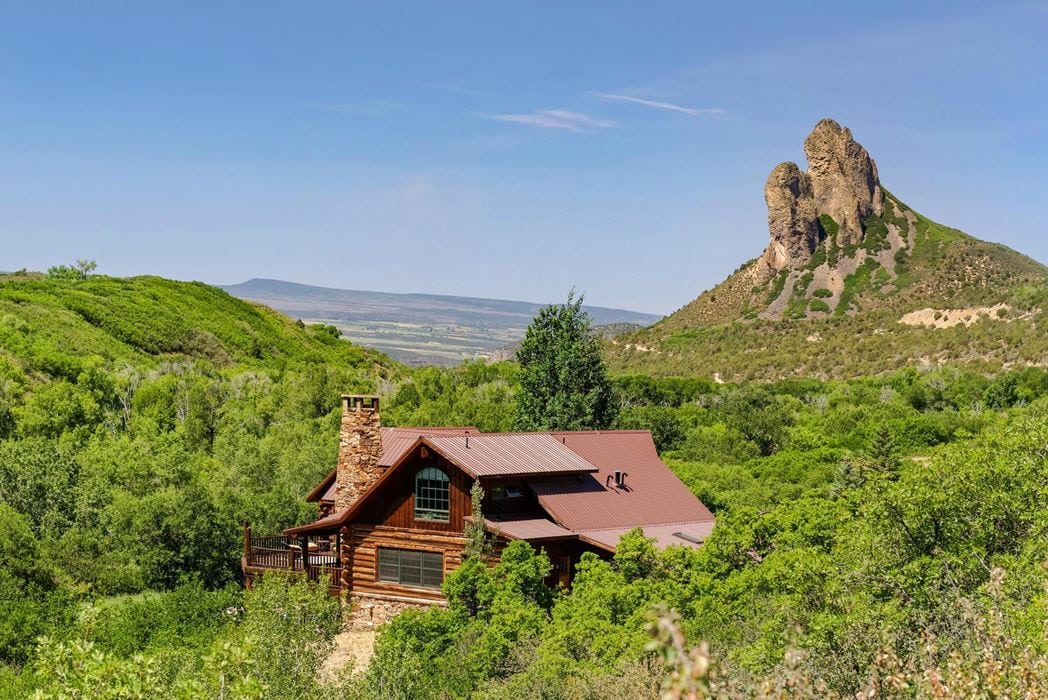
<point x="841" y="182"/>
<point x="792" y="218"/>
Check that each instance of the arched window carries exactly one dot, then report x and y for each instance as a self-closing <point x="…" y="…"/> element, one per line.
<point x="432" y="495"/>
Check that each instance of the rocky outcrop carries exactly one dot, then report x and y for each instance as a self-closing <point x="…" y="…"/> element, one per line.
<point x="792" y="220"/>
<point x="844" y="179"/>
<point x="841" y="182"/>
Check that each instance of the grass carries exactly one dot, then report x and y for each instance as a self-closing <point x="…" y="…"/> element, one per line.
<point x="146" y="320"/>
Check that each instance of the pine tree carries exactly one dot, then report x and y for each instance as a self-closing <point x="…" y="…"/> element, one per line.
<point x="564" y="383"/>
<point x="883" y="456"/>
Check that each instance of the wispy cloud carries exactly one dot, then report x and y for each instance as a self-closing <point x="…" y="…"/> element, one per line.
<point x="655" y="104"/>
<point x="449" y="87"/>
<point x="556" y="119"/>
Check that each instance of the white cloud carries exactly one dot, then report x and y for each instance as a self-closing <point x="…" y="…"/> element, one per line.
<point x="654" y="104"/>
<point x="449" y="87"/>
<point x="555" y="119"/>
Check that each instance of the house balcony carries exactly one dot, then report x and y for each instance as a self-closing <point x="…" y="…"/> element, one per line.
<point x="316" y="557"/>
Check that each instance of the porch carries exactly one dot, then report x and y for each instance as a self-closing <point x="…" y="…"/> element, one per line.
<point x="317" y="557"/>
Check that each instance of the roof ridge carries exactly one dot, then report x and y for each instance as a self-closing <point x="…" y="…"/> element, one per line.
<point x="610" y="431"/>
<point x="634" y="527"/>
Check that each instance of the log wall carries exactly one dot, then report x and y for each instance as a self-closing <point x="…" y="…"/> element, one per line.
<point x="360" y="557"/>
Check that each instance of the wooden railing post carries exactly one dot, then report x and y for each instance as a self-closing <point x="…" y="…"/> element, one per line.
<point x="247" y="543"/>
<point x="304" y="542"/>
<point x="345" y="559"/>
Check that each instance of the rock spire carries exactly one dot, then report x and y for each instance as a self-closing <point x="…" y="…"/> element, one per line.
<point x="841" y="182"/>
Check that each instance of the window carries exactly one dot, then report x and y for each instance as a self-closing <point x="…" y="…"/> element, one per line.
<point x="432" y="497"/>
<point x="410" y="567"/>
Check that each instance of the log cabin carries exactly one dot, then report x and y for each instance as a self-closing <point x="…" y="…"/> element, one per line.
<point x="393" y="512"/>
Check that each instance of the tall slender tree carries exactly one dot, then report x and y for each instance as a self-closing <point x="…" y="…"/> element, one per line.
<point x="564" y="383"/>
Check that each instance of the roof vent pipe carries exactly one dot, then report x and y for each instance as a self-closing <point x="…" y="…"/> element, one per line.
<point x="467" y="442"/>
<point x="620" y="478"/>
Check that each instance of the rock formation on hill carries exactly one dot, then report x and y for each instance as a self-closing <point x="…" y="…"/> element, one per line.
<point x="792" y="218"/>
<point x="841" y="183"/>
<point x="852" y="281"/>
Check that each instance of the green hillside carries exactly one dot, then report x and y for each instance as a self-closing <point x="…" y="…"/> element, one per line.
<point x="51" y="325"/>
<point x="142" y="422"/>
<point x="913" y="292"/>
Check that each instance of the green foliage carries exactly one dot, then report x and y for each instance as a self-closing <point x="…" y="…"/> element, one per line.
<point x="564" y="384"/>
<point x="828" y="225"/>
<point x="477" y="544"/>
<point x="875" y="234"/>
<point x="449" y="652"/>
<point x="854" y="517"/>
<point x="819" y="305"/>
<point x="667" y="428"/>
<point x="822" y="293"/>
<point x="81" y="270"/>
<point x="777" y="285"/>
<point x="29" y="597"/>
<point x="855" y="284"/>
<point x="474" y="393"/>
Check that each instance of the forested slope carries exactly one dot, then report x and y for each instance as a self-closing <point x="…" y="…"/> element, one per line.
<point x="142" y="421"/>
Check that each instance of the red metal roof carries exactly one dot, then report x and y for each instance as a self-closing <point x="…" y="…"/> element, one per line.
<point x="652" y="494"/>
<point x="509" y="454"/>
<point x="528" y="529"/>
<point x="685" y="534"/>
<point x="395" y="442"/>
<point x="572" y="474"/>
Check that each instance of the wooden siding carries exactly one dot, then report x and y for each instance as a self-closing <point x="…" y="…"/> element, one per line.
<point x="360" y="557"/>
<point x="394" y="505"/>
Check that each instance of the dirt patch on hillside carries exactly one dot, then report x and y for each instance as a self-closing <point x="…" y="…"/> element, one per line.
<point x="354" y="647"/>
<point x="948" y="318"/>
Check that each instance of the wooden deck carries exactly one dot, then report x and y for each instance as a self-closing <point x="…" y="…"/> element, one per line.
<point x="315" y="557"/>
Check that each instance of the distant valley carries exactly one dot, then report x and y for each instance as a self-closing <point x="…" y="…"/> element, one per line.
<point x="416" y="328"/>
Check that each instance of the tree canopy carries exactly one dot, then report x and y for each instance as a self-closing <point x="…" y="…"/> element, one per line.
<point x="564" y="383"/>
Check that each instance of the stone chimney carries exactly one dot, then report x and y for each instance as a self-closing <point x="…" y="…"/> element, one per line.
<point x="359" y="446"/>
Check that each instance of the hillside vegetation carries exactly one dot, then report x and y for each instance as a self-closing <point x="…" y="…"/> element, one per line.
<point x="142" y="421"/>
<point x="907" y="291"/>
<point x="868" y="530"/>
<point x="147" y="320"/>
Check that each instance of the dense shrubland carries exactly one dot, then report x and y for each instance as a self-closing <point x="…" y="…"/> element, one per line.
<point x="887" y="530"/>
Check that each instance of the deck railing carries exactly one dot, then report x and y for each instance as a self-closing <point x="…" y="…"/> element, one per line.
<point x="321" y="563"/>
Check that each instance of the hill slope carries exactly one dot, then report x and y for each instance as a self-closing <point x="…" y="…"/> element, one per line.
<point x="143" y="320"/>
<point x="853" y="282"/>
<point x="415" y="328"/>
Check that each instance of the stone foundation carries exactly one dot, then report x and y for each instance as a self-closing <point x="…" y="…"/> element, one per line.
<point x="367" y="613"/>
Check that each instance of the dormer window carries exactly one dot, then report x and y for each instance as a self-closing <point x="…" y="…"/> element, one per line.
<point x="432" y="495"/>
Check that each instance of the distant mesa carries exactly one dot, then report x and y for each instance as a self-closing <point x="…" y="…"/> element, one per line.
<point x="416" y="328"/>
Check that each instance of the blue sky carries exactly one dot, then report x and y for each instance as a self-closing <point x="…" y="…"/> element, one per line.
<point x="508" y="150"/>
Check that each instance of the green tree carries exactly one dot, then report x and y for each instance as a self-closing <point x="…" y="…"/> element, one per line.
<point x="564" y="383"/>
<point x="477" y="544"/>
